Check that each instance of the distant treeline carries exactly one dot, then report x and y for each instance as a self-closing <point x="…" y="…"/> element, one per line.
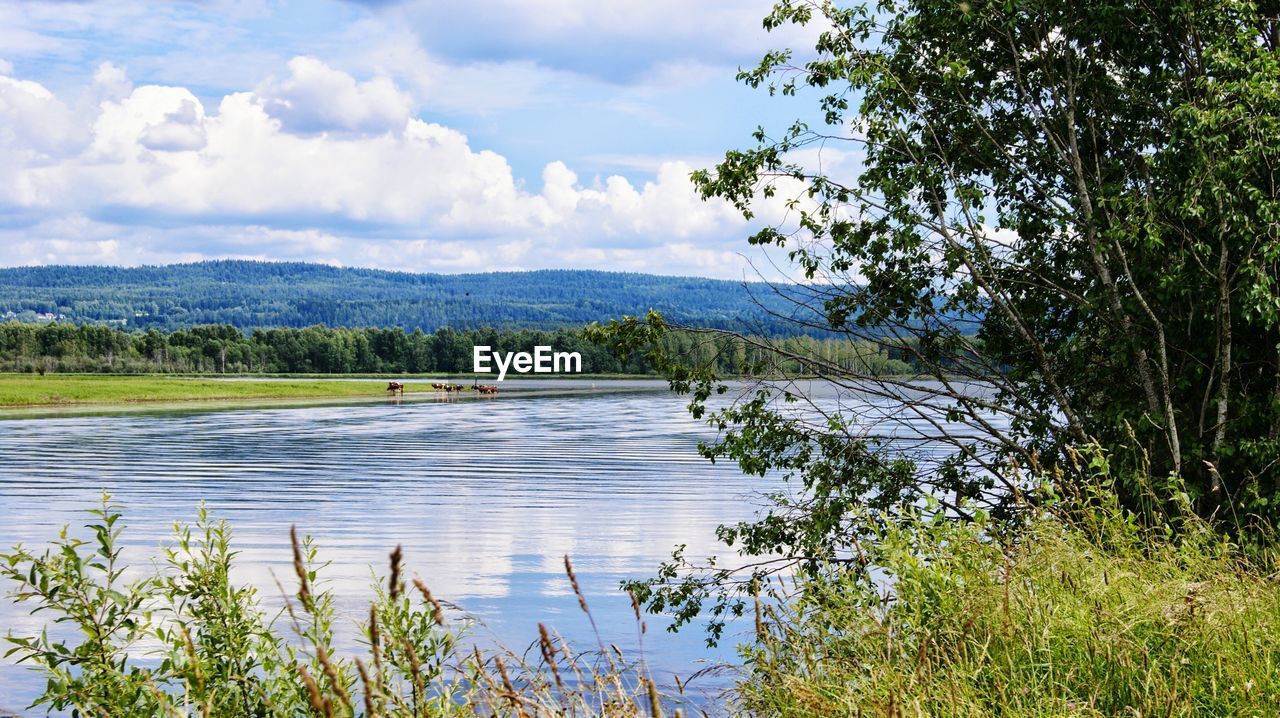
<point x="65" y="347"/>
<point x="254" y="295"/>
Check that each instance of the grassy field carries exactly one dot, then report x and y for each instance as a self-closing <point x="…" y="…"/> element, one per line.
<point x="21" y="390"/>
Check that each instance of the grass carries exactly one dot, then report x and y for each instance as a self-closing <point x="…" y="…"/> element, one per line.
<point x="22" y="390"/>
<point x="33" y="390"/>
<point x="1095" y="614"/>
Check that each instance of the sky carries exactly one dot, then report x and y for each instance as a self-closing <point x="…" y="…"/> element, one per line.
<point x="418" y="135"/>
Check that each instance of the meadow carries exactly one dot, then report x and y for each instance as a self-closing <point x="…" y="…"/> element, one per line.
<point x="26" y="390"/>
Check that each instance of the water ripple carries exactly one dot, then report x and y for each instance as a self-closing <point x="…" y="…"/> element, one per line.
<point x="485" y="497"/>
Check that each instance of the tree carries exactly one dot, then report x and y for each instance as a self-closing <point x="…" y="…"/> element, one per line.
<point x="1064" y="213"/>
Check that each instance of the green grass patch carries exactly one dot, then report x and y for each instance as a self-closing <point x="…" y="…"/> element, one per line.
<point x="1097" y="614"/>
<point x="21" y="390"/>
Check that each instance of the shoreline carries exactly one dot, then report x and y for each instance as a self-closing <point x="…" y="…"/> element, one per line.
<point x="23" y="391"/>
<point x="166" y="406"/>
<point x="19" y="392"/>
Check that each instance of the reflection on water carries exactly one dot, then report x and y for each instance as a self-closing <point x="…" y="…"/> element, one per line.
<point x="485" y="496"/>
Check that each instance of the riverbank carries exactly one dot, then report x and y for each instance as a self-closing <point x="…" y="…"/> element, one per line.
<point x="1085" y="610"/>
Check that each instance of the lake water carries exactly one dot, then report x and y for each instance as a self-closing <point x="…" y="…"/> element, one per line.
<point x="486" y="497"/>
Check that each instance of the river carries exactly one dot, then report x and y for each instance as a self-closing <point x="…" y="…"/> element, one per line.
<point x="485" y="496"/>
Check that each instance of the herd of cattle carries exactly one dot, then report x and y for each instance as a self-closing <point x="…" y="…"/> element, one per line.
<point x="398" y="387"/>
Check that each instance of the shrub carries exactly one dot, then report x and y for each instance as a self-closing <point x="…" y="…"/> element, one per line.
<point x="215" y="653"/>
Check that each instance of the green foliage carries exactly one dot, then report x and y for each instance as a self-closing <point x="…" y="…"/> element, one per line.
<point x="1084" y="611"/>
<point x="215" y="641"/>
<point x="252" y="295"/>
<point x="217" y="654"/>
<point x="82" y="583"/>
<point x="186" y="640"/>
<point x="60" y="347"/>
<point x="1055" y="197"/>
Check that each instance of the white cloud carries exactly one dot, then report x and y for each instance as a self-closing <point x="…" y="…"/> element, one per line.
<point x="79" y="240"/>
<point x="36" y="129"/>
<point x="318" y="98"/>
<point x="111" y="82"/>
<point x="150" y="117"/>
<point x="191" y="153"/>
<point x="181" y="129"/>
<point x="620" y="41"/>
<point x="32" y="120"/>
<point x="64" y="240"/>
<point x="156" y="175"/>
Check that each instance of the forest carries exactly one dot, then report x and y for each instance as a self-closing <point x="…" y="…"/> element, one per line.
<point x="66" y="347"/>
<point x="252" y="295"/>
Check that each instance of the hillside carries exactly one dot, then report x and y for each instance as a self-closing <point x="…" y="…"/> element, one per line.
<point x="250" y="294"/>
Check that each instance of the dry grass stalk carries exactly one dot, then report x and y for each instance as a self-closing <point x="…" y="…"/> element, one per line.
<point x="509" y="689"/>
<point x="370" y="690"/>
<point x="549" y="654"/>
<point x="655" y="702"/>
<point x="582" y="602"/>
<point x="321" y="704"/>
<point x="300" y="568"/>
<point x="394" y="589"/>
<point x="573" y="580"/>
<point x="437" y="610"/>
<point x="332" y="673"/>
<point x="415" y="672"/>
<point x="375" y="642"/>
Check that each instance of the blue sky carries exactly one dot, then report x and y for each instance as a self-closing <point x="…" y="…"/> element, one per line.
<point x="416" y="135"/>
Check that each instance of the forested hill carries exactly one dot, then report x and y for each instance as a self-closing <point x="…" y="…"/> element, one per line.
<point x="250" y="295"/>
